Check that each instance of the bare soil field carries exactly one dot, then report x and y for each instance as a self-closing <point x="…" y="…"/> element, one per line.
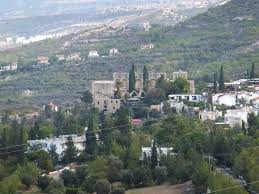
<point x="163" y="189"/>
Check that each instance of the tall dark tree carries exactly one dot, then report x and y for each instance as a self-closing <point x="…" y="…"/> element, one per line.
<point x="145" y="78"/>
<point x="132" y="79"/>
<point x="90" y="136"/>
<point x="215" y="83"/>
<point x="221" y="79"/>
<point x="244" y="127"/>
<point x="154" y="156"/>
<point x="34" y="132"/>
<point x="252" y="73"/>
<point x="53" y="154"/>
<point x="87" y="97"/>
<point x="123" y="119"/>
<point x="70" y="154"/>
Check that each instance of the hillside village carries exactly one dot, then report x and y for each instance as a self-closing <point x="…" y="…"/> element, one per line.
<point x="122" y="112"/>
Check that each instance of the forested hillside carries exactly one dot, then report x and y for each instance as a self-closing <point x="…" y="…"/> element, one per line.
<point x="226" y="35"/>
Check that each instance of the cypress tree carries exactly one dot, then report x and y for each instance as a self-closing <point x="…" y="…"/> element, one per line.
<point x="252" y="73"/>
<point x="221" y="80"/>
<point x="71" y="151"/>
<point x="215" y="84"/>
<point x="90" y="137"/>
<point x="132" y="79"/>
<point x="145" y="78"/>
<point x="244" y="127"/>
<point x="154" y="156"/>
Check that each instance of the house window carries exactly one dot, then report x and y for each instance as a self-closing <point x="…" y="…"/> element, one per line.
<point x="98" y="102"/>
<point x="111" y="101"/>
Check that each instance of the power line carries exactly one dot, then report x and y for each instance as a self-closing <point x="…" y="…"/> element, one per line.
<point x="19" y="145"/>
<point x="23" y="150"/>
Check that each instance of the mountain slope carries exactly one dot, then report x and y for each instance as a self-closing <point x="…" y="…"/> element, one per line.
<point x="227" y="35"/>
<point x="214" y="38"/>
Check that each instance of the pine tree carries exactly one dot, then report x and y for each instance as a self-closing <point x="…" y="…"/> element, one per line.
<point x="252" y="73"/>
<point x="221" y="80"/>
<point x="71" y="151"/>
<point x="90" y="136"/>
<point x="215" y="85"/>
<point x="154" y="156"/>
<point x="244" y="127"/>
<point x="145" y="78"/>
<point x="132" y="79"/>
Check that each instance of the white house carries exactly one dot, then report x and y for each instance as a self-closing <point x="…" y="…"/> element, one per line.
<point x="74" y="57"/>
<point x="236" y="117"/>
<point x="10" y="67"/>
<point x="146" y="26"/>
<point x="231" y="99"/>
<point x="93" y="54"/>
<point x="210" y="115"/>
<point x="59" y="142"/>
<point x="113" y="51"/>
<point x="147" y="46"/>
<point x="61" y="57"/>
<point x="146" y="152"/>
<point x="187" y="97"/>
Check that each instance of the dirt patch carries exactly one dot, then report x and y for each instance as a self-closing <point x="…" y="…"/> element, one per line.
<point x="163" y="189"/>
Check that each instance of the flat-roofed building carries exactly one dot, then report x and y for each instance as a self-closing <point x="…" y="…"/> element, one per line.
<point x="113" y="52"/>
<point x="93" y="54"/>
<point x="59" y="142"/>
<point x="103" y="89"/>
<point x="180" y="74"/>
<point x="187" y="97"/>
<point x="236" y="117"/>
<point x="210" y="115"/>
<point x="107" y="105"/>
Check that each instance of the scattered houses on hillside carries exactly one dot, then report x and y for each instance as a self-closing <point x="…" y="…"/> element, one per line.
<point x="234" y="98"/>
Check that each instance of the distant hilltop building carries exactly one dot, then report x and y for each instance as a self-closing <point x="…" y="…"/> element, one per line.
<point x="74" y="57"/>
<point x="42" y="60"/>
<point x="180" y="74"/>
<point x="113" y="52"/>
<point x="10" y="67"/>
<point x="146" y="26"/>
<point x="52" y="107"/>
<point x="147" y="46"/>
<point x="93" y="54"/>
<point x="61" y="57"/>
